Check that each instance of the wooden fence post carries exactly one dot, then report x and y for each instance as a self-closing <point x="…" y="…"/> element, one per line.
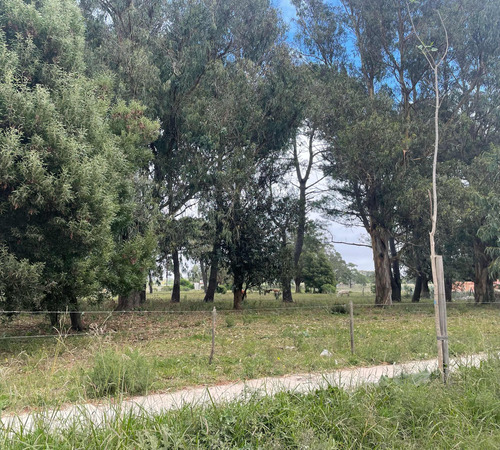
<point x="442" y="337"/>
<point x="214" y="318"/>
<point x="351" y="325"/>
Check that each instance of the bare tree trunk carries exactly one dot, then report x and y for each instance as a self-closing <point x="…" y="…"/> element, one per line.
<point x="396" y="274"/>
<point x="483" y="283"/>
<point x="299" y="242"/>
<point x="150" y="282"/>
<point x="212" y="280"/>
<point x="75" y="315"/>
<point x="287" y="290"/>
<point x="448" y="287"/>
<point x="426" y="292"/>
<point x="238" y="296"/>
<point x="297" y="285"/>
<point x="418" y="289"/>
<point x="176" y="289"/>
<point x="54" y="319"/>
<point x="131" y="301"/>
<point x="204" y="277"/>
<point x="383" y="289"/>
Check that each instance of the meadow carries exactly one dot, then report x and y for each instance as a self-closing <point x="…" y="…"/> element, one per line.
<point x="166" y="347"/>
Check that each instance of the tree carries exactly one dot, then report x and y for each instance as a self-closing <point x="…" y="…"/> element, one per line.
<point x="317" y="271"/>
<point x="283" y="215"/>
<point x="61" y="161"/>
<point x="176" y="44"/>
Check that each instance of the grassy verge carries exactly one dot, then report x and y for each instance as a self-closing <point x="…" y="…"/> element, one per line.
<point x="415" y="412"/>
<point x="145" y="352"/>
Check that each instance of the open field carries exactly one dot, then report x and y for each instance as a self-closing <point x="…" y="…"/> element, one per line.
<point x="169" y="348"/>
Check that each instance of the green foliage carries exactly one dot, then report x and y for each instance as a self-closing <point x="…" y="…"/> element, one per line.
<point x="186" y="283"/>
<point x="221" y="289"/>
<point x="115" y="373"/>
<point x="339" y="309"/>
<point x="21" y="285"/>
<point x="328" y="289"/>
<point x="317" y="271"/>
<point x="47" y="37"/>
<point x="398" y="413"/>
<point x="66" y="168"/>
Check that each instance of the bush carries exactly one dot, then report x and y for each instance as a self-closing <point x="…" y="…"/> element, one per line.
<point x="339" y="309"/>
<point x="328" y="289"/>
<point x="221" y="289"/>
<point x="119" y="373"/>
<point x="186" y="284"/>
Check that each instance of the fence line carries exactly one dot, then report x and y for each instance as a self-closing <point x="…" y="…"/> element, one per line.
<point x="39" y="336"/>
<point x="282" y="308"/>
<point x="167" y="311"/>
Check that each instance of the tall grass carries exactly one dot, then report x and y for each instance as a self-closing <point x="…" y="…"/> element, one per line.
<point x="409" y="412"/>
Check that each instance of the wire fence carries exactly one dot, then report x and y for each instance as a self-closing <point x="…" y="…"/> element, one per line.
<point x="333" y="307"/>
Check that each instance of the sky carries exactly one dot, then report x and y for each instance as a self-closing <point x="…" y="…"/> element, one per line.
<point x="362" y="257"/>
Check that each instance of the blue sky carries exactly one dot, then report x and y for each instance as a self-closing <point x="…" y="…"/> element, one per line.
<point x="287" y="9"/>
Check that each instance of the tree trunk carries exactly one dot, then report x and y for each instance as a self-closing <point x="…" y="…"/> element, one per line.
<point x="54" y="319"/>
<point x="426" y="293"/>
<point x="204" y="277"/>
<point x="287" y="290"/>
<point x="418" y="289"/>
<point x="238" y="296"/>
<point x="448" y="285"/>
<point x="150" y="281"/>
<point x="176" y="289"/>
<point x="383" y="289"/>
<point x="301" y="227"/>
<point x="131" y="301"/>
<point x="75" y="315"/>
<point x="396" y="274"/>
<point x="212" y="280"/>
<point x="483" y="283"/>
<point x="297" y="285"/>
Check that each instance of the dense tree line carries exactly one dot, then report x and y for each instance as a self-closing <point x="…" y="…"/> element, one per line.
<point x="133" y="133"/>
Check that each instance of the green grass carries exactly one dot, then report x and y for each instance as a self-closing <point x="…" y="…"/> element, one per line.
<point x="275" y="340"/>
<point x="412" y="412"/>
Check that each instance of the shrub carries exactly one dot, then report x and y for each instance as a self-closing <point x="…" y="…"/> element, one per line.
<point x="186" y="284"/>
<point x="114" y="373"/>
<point x="328" y="289"/>
<point x="339" y="309"/>
<point x="221" y="289"/>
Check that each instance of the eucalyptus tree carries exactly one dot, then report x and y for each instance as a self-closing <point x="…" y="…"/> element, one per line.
<point x="161" y="51"/>
<point x="242" y="120"/>
<point x="472" y="121"/>
<point x="66" y="167"/>
<point x="362" y="90"/>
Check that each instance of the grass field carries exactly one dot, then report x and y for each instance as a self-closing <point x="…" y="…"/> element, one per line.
<point x="140" y="352"/>
<point x="414" y="412"/>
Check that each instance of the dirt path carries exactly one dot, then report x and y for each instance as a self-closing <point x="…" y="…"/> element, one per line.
<point x="157" y="403"/>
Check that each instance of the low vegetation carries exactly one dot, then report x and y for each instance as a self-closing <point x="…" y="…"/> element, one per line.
<point x="414" y="412"/>
<point x="141" y="352"/>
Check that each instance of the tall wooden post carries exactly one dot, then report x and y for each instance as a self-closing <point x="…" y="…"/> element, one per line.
<point x="440" y="317"/>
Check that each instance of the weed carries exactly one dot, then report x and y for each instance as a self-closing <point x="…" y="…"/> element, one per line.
<point x="415" y="412"/>
<point x="339" y="309"/>
<point x="115" y="373"/>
